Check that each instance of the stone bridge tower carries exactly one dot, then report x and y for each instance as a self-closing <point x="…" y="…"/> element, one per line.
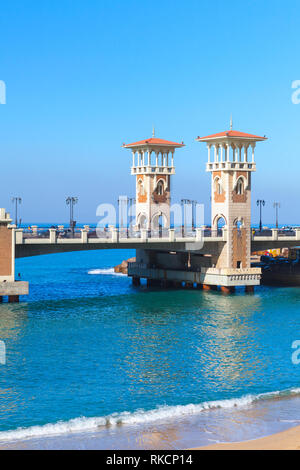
<point x="231" y="164"/>
<point x="153" y="165"/>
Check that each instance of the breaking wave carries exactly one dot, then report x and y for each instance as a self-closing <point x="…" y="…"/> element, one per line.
<point x="84" y="424"/>
<point x="109" y="271"/>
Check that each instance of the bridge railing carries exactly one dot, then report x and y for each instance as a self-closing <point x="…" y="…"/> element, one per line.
<point x="113" y="234"/>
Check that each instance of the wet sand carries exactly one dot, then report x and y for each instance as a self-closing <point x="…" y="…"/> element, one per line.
<point x="285" y="440"/>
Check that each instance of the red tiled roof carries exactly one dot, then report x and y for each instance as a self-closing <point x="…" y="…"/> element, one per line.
<point x="235" y="134"/>
<point x="154" y="141"/>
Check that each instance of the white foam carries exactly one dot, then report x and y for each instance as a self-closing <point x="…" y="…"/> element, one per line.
<point x="83" y="424"/>
<point x="109" y="271"/>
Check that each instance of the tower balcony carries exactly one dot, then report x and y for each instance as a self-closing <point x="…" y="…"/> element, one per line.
<point x="230" y="166"/>
<point x="152" y="170"/>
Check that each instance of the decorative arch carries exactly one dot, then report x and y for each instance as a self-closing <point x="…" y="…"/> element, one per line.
<point x="142" y="221"/>
<point x="158" y="219"/>
<point x="219" y="222"/>
<point x="160" y="194"/>
<point x="239" y="222"/>
<point x="160" y="182"/>
<point x="244" y="180"/>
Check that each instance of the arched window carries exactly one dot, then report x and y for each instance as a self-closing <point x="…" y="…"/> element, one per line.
<point x="240" y="186"/>
<point x="160" y="188"/>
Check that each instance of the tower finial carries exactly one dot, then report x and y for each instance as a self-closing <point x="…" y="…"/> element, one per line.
<point x="231" y="122"/>
<point x="153" y="132"/>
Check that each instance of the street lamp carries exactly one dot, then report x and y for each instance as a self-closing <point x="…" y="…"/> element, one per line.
<point x="16" y="200"/>
<point x="276" y="206"/>
<point x="71" y="201"/>
<point x="260" y="203"/>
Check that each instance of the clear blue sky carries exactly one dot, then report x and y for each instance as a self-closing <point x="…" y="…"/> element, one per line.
<point x="83" y="77"/>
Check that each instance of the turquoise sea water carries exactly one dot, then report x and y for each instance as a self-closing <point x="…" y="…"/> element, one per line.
<point x="87" y="350"/>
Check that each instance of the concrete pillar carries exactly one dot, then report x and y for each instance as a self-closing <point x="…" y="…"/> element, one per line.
<point x="84" y="238"/>
<point x="52" y="235"/>
<point x="136" y="281"/>
<point x="249" y="289"/>
<point x="144" y="234"/>
<point x="171" y="235"/>
<point x="199" y="234"/>
<point x="221" y="153"/>
<point x="114" y="234"/>
<point x="253" y="148"/>
<point x="216" y="152"/>
<point x="13" y="298"/>
<point x="274" y="233"/>
<point x="228" y="153"/>
<point x="239" y="153"/>
<point x="18" y="235"/>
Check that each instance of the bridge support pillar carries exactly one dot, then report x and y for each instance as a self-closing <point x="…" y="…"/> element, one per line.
<point x="13" y="298"/>
<point x="136" y="281"/>
<point x="249" y="289"/>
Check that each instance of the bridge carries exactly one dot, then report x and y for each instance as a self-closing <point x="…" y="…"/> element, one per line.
<point x="208" y="258"/>
<point x="201" y="240"/>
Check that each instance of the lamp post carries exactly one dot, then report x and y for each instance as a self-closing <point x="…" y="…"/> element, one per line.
<point x="71" y="201"/>
<point x="16" y="200"/>
<point x="276" y="206"/>
<point x="260" y="203"/>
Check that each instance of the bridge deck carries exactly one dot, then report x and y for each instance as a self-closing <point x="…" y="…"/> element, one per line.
<point x="200" y="240"/>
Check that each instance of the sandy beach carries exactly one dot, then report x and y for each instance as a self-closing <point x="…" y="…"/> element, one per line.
<point x="285" y="440"/>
